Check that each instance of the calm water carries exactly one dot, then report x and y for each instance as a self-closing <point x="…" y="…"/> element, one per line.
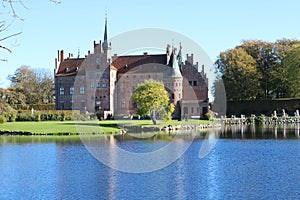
<point x="252" y="163"/>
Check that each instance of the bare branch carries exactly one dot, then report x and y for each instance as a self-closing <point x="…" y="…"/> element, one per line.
<point x="5" y="48"/>
<point x="55" y="1"/>
<point x="13" y="35"/>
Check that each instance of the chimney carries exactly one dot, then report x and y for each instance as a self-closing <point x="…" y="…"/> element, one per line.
<point x="62" y="55"/>
<point x="114" y="57"/>
<point x="145" y="53"/>
<point x="89" y="52"/>
<point x="94" y="44"/>
<point x="203" y="69"/>
<point x="57" y="55"/>
<point x="100" y="45"/>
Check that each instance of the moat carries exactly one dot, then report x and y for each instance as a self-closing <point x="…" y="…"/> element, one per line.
<point x="247" y="162"/>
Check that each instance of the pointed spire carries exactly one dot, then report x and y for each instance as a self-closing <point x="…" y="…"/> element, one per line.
<point x="175" y="68"/>
<point x="179" y="57"/>
<point x="105" y="45"/>
<point x="105" y="30"/>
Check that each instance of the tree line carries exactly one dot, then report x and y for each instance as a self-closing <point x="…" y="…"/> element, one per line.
<point x="28" y="86"/>
<point x="260" y="70"/>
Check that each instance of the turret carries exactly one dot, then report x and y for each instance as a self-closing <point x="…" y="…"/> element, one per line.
<point x="175" y="67"/>
<point x="169" y="52"/>
<point x="105" y="44"/>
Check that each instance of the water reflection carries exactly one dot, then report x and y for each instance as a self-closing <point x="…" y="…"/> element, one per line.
<point x="284" y="131"/>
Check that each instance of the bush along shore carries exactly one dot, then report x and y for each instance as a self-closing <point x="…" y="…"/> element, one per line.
<point x="260" y="120"/>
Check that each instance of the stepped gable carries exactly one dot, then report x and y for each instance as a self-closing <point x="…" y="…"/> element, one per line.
<point x="69" y="67"/>
<point x="125" y="63"/>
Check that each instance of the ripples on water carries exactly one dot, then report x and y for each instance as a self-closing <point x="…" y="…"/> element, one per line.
<point x="246" y="163"/>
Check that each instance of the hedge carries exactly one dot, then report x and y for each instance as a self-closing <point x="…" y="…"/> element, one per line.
<point x="266" y="107"/>
<point x="48" y="107"/>
<point x="50" y="115"/>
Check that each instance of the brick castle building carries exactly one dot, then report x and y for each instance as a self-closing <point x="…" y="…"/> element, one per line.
<point x="104" y="84"/>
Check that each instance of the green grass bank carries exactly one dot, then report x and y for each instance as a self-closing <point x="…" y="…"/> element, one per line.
<point x="83" y="127"/>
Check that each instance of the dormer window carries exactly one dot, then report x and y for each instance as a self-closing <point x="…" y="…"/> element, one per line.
<point x="67" y="70"/>
<point x="76" y="69"/>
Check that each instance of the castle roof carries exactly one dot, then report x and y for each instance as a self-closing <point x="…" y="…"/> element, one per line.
<point x="124" y="63"/>
<point x="69" y="67"/>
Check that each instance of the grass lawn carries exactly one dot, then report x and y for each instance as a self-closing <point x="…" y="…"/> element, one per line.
<point x="105" y="126"/>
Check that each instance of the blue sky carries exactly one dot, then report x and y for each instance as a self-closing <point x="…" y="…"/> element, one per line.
<point x="216" y="25"/>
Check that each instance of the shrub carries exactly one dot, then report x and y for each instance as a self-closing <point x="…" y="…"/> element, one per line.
<point x="260" y="119"/>
<point x="24" y="117"/>
<point x="2" y="119"/>
<point x="37" y="117"/>
<point x="209" y="115"/>
<point x="62" y="116"/>
<point x="11" y="117"/>
<point x="251" y="119"/>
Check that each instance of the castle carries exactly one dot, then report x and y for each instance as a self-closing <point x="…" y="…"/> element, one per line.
<point x="103" y="84"/>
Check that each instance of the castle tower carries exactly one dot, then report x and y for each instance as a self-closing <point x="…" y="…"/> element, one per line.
<point x="106" y="46"/>
<point x="174" y="80"/>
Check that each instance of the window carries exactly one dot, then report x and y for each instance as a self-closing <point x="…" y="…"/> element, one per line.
<point x="192" y="109"/>
<point x="92" y="85"/>
<point x="104" y="75"/>
<point x="61" y="91"/>
<point x="191" y="83"/>
<point x="98" y="85"/>
<point x="98" y="66"/>
<point x="195" y="83"/>
<point x="185" y="110"/>
<point x="71" y="90"/>
<point x="62" y="105"/>
<point x="81" y="90"/>
<point x="104" y="85"/>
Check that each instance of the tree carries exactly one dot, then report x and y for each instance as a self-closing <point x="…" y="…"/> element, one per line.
<point x="268" y="58"/>
<point x="152" y="98"/>
<point x="266" y="62"/>
<point x="35" y="85"/>
<point x="239" y="73"/>
<point x="291" y="63"/>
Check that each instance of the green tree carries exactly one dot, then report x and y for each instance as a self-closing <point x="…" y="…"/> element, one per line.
<point x="291" y="63"/>
<point x="269" y="56"/>
<point x="266" y="62"/>
<point x="239" y="73"/>
<point x="279" y="74"/>
<point x="152" y="98"/>
<point x="35" y="84"/>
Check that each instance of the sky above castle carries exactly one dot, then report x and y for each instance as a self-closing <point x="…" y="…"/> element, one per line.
<point x="73" y="25"/>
